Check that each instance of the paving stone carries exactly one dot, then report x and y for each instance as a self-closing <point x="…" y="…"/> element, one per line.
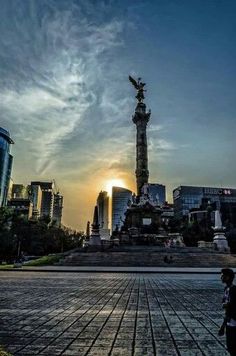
<point x="103" y="342"/>
<point x="140" y="351"/>
<point x="120" y="343"/>
<point x="193" y="352"/>
<point x="111" y="314"/>
<point x="98" y="351"/>
<point x="125" y="336"/>
<point x="82" y="342"/>
<point x="119" y="351"/>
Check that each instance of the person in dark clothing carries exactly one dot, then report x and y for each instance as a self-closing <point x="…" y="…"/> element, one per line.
<point x="229" y="304"/>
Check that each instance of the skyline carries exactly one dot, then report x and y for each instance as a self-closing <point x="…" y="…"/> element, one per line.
<point x="66" y="100"/>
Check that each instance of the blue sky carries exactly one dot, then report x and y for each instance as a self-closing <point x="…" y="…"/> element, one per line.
<point x="66" y="99"/>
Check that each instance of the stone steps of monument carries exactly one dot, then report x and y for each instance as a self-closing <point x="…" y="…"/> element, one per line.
<point x="140" y="248"/>
<point x="149" y="259"/>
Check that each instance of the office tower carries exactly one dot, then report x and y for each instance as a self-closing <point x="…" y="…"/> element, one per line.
<point x="157" y="193"/>
<point x="121" y="197"/>
<point x="47" y="200"/>
<point x="21" y="206"/>
<point x="103" y="209"/>
<point x="35" y="192"/>
<point x="19" y="191"/>
<point x="5" y="165"/>
<point x="191" y="198"/>
<point x="57" y="209"/>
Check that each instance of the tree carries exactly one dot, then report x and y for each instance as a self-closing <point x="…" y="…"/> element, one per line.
<point x="33" y="237"/>
<point x="6" y="243"/>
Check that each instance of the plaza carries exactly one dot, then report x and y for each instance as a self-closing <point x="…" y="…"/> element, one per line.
<point x="56" y="313"/>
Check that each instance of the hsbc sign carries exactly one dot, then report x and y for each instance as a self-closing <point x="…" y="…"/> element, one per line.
<point x="217" y="191"/>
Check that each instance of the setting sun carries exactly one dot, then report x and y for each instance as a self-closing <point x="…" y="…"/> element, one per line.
<point x="114" y="183"/>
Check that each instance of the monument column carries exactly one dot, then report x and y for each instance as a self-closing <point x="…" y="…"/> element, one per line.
<point x="140" y="119"/>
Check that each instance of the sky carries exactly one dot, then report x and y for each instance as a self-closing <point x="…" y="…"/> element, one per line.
<point x="67" y="102"/>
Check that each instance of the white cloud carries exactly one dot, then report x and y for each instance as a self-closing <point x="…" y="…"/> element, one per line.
<point x="155" y="128"/>
<point x="161" y="145"/>
<point x="59" y="80"/>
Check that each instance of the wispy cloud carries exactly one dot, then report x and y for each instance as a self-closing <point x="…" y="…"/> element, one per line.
<point x="53" y="71"/>
<point x="161" y="146"/>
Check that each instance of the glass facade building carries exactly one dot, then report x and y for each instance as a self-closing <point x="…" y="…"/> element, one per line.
<point x="5" y="165"/>
<point x="157" y="193"/>
<point x="190" y="198"/>
<point x="120" y="200"/>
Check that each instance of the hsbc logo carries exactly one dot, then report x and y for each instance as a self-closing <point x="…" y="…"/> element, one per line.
<point x="216" y="191"/>
<point x="226" y="192"/>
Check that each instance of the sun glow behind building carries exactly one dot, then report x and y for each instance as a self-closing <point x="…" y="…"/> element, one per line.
<point x="114" y="183"/>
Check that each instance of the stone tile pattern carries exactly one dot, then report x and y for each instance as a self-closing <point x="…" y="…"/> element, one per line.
<point x="110" y="314"/>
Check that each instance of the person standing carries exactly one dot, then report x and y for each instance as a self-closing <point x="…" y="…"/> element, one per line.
<point x="229" y="305"/>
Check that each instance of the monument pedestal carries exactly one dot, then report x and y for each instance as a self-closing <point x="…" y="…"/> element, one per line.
<point x="95" y="240"/>
<point x="220" y="242"/>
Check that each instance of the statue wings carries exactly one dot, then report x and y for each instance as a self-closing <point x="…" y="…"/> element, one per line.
<point x="133" y="81"/>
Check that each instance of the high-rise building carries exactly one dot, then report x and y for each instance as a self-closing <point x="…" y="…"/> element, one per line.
<point x="57" y="209"/>
<point x="20" y="201"/>
<point x="191" y="198"/>
<point x="19" y="191"/>
<point x="46" y="201"/>
<point x="103" y="209"/>
<point x="103" y="213"/>
<point x="157" y="193"/>
<point x="9" y="194"/>
<point x="36" y="198"/>
<point x="5" y="165"/>
<point x="21" y="206"/>
<point x="121" y="197"/>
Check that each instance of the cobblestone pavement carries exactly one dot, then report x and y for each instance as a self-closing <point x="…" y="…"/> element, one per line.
<point x="110" y="314"/>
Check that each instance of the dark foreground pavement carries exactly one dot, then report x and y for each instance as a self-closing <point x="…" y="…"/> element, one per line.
<point x="110" y="314"/>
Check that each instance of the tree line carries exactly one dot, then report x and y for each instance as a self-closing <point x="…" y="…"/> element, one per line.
<point x="21" y="236"/>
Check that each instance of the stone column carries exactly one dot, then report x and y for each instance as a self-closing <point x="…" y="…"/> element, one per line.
<point x="141" y="118"/>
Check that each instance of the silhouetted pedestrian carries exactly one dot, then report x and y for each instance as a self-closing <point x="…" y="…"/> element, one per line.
<point x="229" y="304"/>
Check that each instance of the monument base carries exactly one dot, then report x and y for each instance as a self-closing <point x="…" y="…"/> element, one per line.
<point x="105" y="234"/>
<point x="95" y="240"/>
<point x="220" y="242"/>
<point x="205" y="244"/>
